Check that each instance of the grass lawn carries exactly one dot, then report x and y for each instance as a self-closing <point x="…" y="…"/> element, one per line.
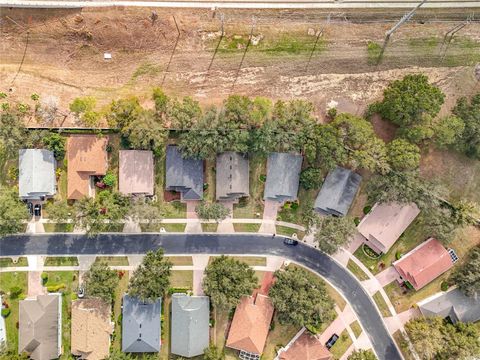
<point x="209" y="227"/>
<point x="252" y="207"/>
<point x="168" y="227"/>
<point x="181" y="279"/>
<point x="8" y="262"/>
<point x="60" y="227"/>
<point x="356" y="328"/>
<point x="342" y="345"/>
<point x="278" y="336"/>
<point x="113" y="260"/>
<point x="8" y="281"/>
<point x="180" y="260"/>
<point x="288" y="231"/>
<point x="165" y="350"/>
<point x="294" y="215"/>
<point x="174" y="210"/>
<point x="61" y="261"/>
<point x="210" y="180"/>
<point x="117" y="311"/>
<point x="69" y="293"/>
<point x="357" y="271"/>
<point x="252" y="260"/>
<point x="399" y="339"/>
<point x="246" y="227"/>
<point x="381" y="304"/>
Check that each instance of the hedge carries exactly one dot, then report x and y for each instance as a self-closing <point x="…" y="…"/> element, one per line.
<point x="55" y="288"/>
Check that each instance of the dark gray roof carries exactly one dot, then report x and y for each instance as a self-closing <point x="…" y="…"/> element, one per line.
<point x="39" y="327"/>
<point x="184" y="175"/>
<point x="140" y="325"/>
<point x="453" y="304"/>
<point x="283" y="175"/>
<point x="337" y="192"/>
<point x="232" y="176"/>
<point x="190" y="324"/>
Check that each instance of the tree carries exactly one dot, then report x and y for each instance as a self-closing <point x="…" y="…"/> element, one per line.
<point x="465" y="213"/>
<point x="84" y="109"/>
<point x="59" y="211"/>
<point x="438" y="222"/>
<point x="403" y="155"/>
<point x="141" y="210"/>
<point x="212" y="211"/>
<point x="146" y="132"/>
<point x="12" y="133"/>
<point x="469" y="112"/>
<point x="362" y="355"/>
<point x="213" y="353"/>
<point x="467" y="276"/>
<point x="406" y="102"/>
<point x="185" y="114"/>
<point x="300" y="298"/>
<point x="161" y="102"/>
<point x="13" y="212"/>
<point x="311" y="178"/>
<point x="227" y="280"/>
<point x="101" y="281"/>
<point x="123" y="112"/>
<point x="55" y="143"/>
<point x="334" y="232"/>
<point x="449" y="131"/>
<point x="152" y="278"/>
<point x="110" y="179"/>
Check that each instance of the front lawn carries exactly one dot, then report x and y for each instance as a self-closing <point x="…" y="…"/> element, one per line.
<point x="342" y="345"/>
<point x="246" y="227"/>
<point x="58" y="227"/>
<point x="61" y="261"/>
<point x="293" y="212"/>
<point x="209" y="227"/>
<point x="180" y="227"/>
<point x="8" y="262"/>
<point x="181" y="279"/>
<point x="252" y="260"/>
<point x="117" y="310"/>
<point x="180" y="260"/>
<point x="288" y="231"/>
<point x="381" y="304"/>
<point x="278" y="337"/>
<point x="357" y="271"/>
<point x="174" y="210"/>
<point x="356" y="328"/>
<point x="113" y="260"/>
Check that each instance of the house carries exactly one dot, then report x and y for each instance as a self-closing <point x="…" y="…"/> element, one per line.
<point x="140" y="325"/>
<point x="453" y="304"/>
<point x="184" y="175"/>
<point x="87" y="157"/>
<point x="136" y="172"/>
<point x="337" y="193"/>
<point x="91" y="329"/>
<point x="425" y="263"/>
<point x="283" y="176"/>
<point x="232" y="176"/>
<point x="190" y="325"/>
<point x="36" y="178"/>
<point x="40" y="327"/>
<point x="384" y="224"/>
<point x="250" y="325"/>
<point x="3" y="329"/>
<point x="304" y="346"/>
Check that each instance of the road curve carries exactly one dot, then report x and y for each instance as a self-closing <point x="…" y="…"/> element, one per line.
<point x="129" y="244"/>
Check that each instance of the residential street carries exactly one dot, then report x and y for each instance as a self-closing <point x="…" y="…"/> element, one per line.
<point x="116" y="244"/>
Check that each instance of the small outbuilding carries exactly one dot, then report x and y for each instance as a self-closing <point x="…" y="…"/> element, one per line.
<point x="232" y="176"/>
<point x="283" y="176"/>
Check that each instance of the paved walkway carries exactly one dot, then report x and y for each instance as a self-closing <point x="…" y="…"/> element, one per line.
<point x="193" y="225"/>
<point x="270" y="211"/>
<point x="131" y="226"/>
<point x="200" y="262"/>
<point x="226" y="226"/>
<point x="387" y="276"/>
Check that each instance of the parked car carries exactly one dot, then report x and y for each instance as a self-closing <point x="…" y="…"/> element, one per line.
<point x="81" y="292"/>
<point x="37" y="210"/>
<point x="333" y="339"/>
<point x="291" y="242"/>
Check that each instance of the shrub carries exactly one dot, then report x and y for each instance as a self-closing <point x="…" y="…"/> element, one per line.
<point x="55" y="143"/>
<point x="367" y="209"/>
<point x="332" y="113"/>
<point x="3" y="95"/>
<point x="44" y="277"/>
<point x="15" y="292"/>
<point x="398" y="255"/>
<point x="110" y="179"/>
<point x="6" y="312"/>
<point x="356" y="221"/>
<point x="263" y="178"/>
<point x="55" y="288"/>
<point x="294" y="205"/>
<point x="182" y="290"/>
<point x="444" y="286"/>
<point x="311" y="178"/>
<point x="35" y="97"/>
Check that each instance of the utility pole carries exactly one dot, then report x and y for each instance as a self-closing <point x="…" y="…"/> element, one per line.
<point x="173" y="51"/>
<point x="222" y="19"/>
<point x="244" y="53"/>
<point x="447" y="39"/>
<point x="389" y="33"/>
<point x="319" y="34"/>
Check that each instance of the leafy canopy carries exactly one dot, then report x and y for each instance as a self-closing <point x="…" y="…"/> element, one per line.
<point x="212" y="211"/>
<point x="467" y="276"/>
<point x="469" y="112"/>
<point x="403" y="155"/>
<point x="333" y="232"/>
<point x="101" y="281"/>
<point x="12" y="212"/>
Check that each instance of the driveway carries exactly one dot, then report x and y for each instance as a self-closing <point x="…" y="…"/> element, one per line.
<point x="130" y="244"/>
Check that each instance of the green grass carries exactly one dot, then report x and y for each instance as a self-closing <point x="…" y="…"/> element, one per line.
<point x="146" y="70"/>
<point x="252" y="207"/>
<point x="174" y="210"/>
<point x="357" y="271"/>
<point x="165" y="332"/>
<point x="210" y="180"/>
<point x="342" y="345"/>
<point x="113" y="260"/>
<point x="60" y="227"/>
<point x="399" y="339"/>
<point x="252" y="260"/>
<point x="209" y="227"/>
<point x="356" y="328"/>
<point x="180" y="260"/>
<point x="246" y="227"/>
<point x="182" y="279"/>
<point x="381" y="304"/>
<point x="288" y="231"/>
<point x="117" y="311"/>
<point x="8" y="262"/>
<point x="180" y="227"/>
<point x="61" y="261"/>
<point x="373" y="52"/>
<point x="8" y="281"/>
<point x="279" y="336"/>
<point x="62" y="183"/>
<point x="290" y="213"/>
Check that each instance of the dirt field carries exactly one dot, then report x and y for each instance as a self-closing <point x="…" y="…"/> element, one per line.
<point x="64" y="55"/>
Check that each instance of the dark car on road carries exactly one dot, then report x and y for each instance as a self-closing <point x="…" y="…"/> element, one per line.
<point x="291" y="242"/>
<point x="333" y="339"/>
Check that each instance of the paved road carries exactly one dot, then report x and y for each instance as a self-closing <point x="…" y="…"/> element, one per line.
<point x="114" y="244"/>
<point x="247" y="4"/>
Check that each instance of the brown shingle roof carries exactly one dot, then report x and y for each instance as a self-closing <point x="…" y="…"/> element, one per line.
<point x="424" y="263"/>
<point x="306" y="347"/>
<point x="136" y="172"/>
<point x="87" y="156"/>
<point x="91" y="329"/>
<point x="251" y="323"/>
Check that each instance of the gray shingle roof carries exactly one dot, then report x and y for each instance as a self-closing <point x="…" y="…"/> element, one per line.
<point x="232" y="176"/>
<point x="453" y="304"/>
<point x="36" y="173"/>
<point x="190" y="324"/>
<point x="337" y="192"/>
<point x="184" y="175"/>
<point x="39" y="327"/>
<point x="140" y="325"/>
<point x="283" y="175"/>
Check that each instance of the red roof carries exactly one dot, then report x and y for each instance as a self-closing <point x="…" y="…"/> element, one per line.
<point x="306" y="347"/>
<point x="424" y="263"/>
